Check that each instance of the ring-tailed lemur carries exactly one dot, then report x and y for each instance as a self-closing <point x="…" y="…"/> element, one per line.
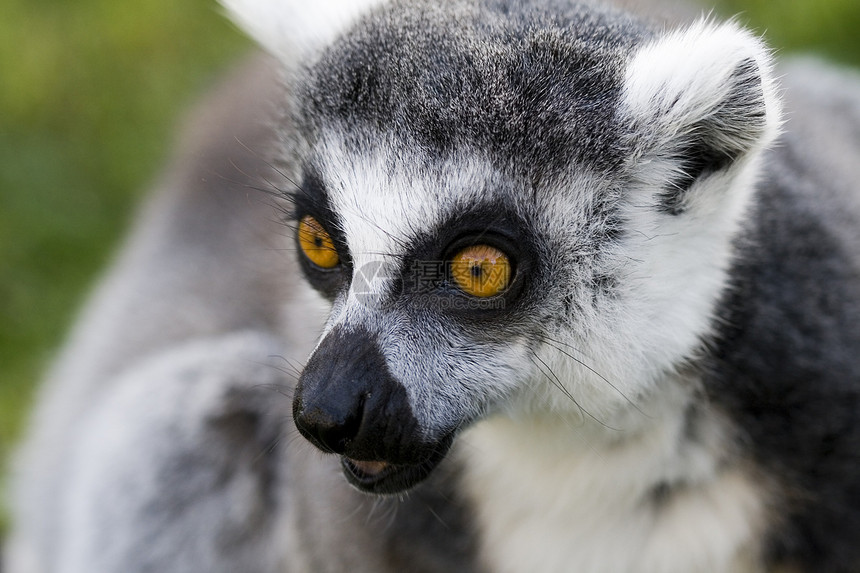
<point x="573" y="310"/>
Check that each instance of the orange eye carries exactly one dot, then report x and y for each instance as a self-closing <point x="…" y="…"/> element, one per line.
<point x="481" y="270"/>
<point x="316" y="243"/>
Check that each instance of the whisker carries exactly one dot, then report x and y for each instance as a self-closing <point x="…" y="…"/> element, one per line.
<point x="270" y="165"/>
<point x="558" y="384"/>
<point x="554" y="380"/>
<point x="553" y="343"/>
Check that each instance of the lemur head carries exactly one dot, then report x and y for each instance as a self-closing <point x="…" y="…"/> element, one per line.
<point x="512" y="206"/>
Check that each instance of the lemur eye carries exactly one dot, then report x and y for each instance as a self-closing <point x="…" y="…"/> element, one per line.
<point x="481" y="270"/>
<point x="316" y="243"/>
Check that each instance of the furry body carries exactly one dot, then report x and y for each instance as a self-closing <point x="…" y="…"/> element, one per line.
<point x="670" y="385"/>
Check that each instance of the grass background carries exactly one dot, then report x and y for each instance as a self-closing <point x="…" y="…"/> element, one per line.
<point x="89" y="91"/>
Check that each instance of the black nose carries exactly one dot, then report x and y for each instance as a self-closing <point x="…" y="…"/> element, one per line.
<point x="348" y="402"/>
<point x="330" y="425"/>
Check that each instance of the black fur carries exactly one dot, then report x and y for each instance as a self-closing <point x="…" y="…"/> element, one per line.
<point x="311" y="199"/>
<point x="433" y="516"/>
<point x="428" y="530"/>
<point x="785" y="364"/>
<point x="493" y="224"/>
<point x="719" y="139"/>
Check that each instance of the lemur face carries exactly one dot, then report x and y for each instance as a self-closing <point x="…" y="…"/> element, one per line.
<point x="438" y="296"/>
<point x="511" y="210"/>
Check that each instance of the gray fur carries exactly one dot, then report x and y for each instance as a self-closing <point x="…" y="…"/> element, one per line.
<point x="501" y="75"/>
<point x="785" y="365"/>
<point x="163" y="440"/>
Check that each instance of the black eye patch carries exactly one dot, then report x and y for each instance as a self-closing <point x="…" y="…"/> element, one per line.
<point x="432" y="281"/>
<point x="311" y="200"/>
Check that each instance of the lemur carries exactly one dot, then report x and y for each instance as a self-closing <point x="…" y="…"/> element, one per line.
<point x="474" y="285"/>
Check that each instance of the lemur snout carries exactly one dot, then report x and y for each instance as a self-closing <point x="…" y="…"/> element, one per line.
<point x="347" y="402"/>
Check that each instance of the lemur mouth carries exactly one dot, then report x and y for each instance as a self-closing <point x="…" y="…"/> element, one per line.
<point x="382" y="477"/>
<point x="385" y="478"/>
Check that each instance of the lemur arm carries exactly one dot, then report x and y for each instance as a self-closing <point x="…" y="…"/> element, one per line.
<point x="180" y="467"/>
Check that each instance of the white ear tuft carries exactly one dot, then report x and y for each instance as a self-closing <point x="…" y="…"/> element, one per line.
<point x="289" y="28"/>
<point x="703" y="96"/>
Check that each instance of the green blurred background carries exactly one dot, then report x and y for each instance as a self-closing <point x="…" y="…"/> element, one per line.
<point x="89" y="90"/>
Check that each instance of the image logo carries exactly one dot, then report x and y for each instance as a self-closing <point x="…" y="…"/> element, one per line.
<point x="371" y="282"/>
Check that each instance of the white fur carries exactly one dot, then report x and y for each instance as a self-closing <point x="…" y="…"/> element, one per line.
<point x="290" y="29"/>
<point x="383" y="202"/>
<point x="552" y="496"/>
<point x="672" y="268"/>
<point x="681" y="77"/>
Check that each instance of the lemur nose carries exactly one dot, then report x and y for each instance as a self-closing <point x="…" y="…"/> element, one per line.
<point x="348" y="402"/>
<point x="331" y="425"/>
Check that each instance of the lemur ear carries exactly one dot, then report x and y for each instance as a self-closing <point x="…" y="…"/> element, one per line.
<point x="699" y="99"/>
<point x="288" y="29"/>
